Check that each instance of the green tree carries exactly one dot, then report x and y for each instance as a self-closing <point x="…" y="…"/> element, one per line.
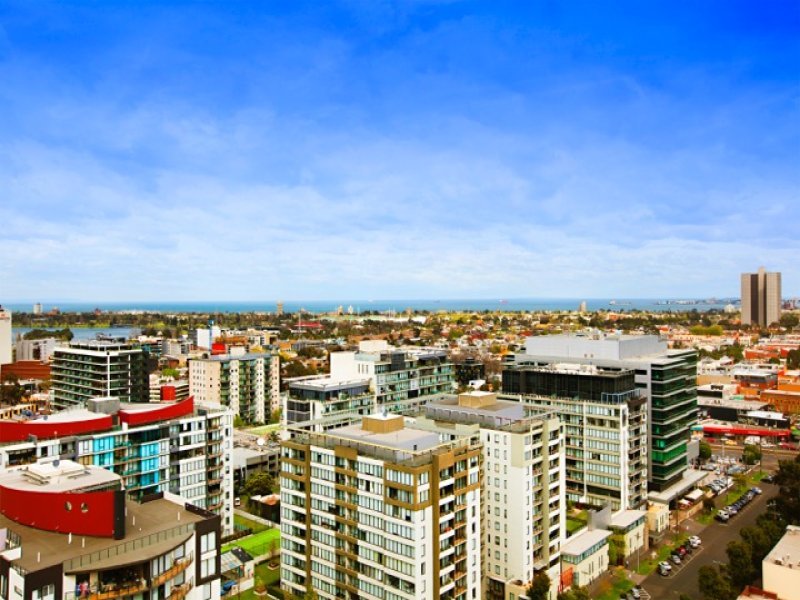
<point x="275" y="416"/>
<point x="751" y="454"/>
<point x="259" y="484"/>
<point x="714" y="585"/>
<point x="741" y="569"/>
<point x="789" y="320"/>
<point x="705" y="450"/>
<point x="11" y="392"/>
<point x="578" y="593"/>
<point x="539" y="589"/>
<point x="787" y="504"/>
<point x="237" y="421"/>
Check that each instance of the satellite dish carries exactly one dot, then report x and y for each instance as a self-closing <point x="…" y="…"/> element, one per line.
<point x="260" y="441"/>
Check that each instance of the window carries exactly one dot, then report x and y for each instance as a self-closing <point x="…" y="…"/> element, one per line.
<point x="208" y="542"/>
<point x="207" y="591"/>
<point x="207" y="567"/>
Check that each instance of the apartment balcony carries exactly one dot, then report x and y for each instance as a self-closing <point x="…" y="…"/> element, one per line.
<point x="180" y="592"/>
<point x="179" y="567"/>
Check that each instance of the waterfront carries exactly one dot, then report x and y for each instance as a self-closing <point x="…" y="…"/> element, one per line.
<point x="359" y="306"/>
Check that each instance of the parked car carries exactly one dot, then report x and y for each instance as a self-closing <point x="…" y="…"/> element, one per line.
<point x="636" y="592"/>
<point x="769" y="478"/>
<point x="665" y="565"/>
<point x="723" y="516"/>
<point x="695" y="541"/>
<point x="756" y="490"/>
<point x="676" y="559"/>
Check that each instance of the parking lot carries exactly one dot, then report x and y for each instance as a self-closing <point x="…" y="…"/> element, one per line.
<point x="683" y="578"/>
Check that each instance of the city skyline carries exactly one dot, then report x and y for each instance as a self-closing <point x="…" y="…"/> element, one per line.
<point x="462" y="150"/>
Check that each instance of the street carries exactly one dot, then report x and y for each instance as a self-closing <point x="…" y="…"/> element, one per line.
<point x="716" y="536"/>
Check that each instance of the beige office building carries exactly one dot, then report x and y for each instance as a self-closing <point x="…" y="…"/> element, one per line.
<point x="761" y="298"/>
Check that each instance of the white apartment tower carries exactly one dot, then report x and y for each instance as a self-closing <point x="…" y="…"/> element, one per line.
<point x="381" y="511"/>
<point x="761" y="298"/>
<point x="5" y="337"/>
<point x="247" y="383"/>
<point x="523" y="486"/>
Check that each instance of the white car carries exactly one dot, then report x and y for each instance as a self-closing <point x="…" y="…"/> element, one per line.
<point x="695" y="541"/>
<point x="665" y="565"/>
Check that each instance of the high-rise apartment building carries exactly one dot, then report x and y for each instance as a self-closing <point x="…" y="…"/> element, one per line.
<point x="68" y="532"/>
<point x="328" y="402"/>
<point x="761" y="298"/>
<point x="668" y="378"/>
<point x="401" y="379"/>
<point x="381" y="511"/>
<point x="247" y="383"/>
<point x="523" y="483"/>
<point x="6" y="357"/>
<point x="178" y="447"/>
<point x="92" y="369"/>
<point x="605" y="427"/>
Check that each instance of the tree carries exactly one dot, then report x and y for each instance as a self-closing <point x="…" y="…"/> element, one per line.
<point x="705" y="450"/>
<point x="578" y="593"/>
<point x="539" y="589"/>
<point x="793" y="359"/>
<point x="237" y="421"/>
<point x="789" y="320"/>
<point x="741" y="569"/>
<point x="259" y="484"/>
<point x="275" y="416"/>
<point x="751" y="454"/>
<point x="310" y="594"/>
<point x="787" y="504"/>
<point x="714" y="585"/>
<point x="11" y="392"/>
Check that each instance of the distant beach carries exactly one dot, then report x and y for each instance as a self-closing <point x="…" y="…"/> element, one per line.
<point x="359" y="306"/>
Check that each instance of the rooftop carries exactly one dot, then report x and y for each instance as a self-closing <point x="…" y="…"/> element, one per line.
<point x="625" y="518"/>
<point x="58" y="476"/>
<point x="690" y="478"/>
<point x="787" y="550"/>
<point x="46" y="548"/>
<point x="328" y="384"/>
<point x="407" y="438"/>
<point x="584" y="541"/>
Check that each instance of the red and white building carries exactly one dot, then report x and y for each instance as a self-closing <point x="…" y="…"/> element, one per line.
<point x="68" y="531"/>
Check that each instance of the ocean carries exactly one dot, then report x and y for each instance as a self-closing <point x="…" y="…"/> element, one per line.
<point x="358" y="306"/>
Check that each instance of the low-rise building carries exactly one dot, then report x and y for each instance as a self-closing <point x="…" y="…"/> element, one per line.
<point x="780" y="569"/>
<point x="586" y="556"/>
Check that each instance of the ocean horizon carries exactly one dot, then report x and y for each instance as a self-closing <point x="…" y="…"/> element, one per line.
<point x="383" y="306"/>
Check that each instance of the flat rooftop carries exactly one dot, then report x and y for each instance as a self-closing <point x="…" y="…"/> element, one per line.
<point x="58" y="476"/>
<point x="328" y="384"/>
<point x="789" y="545"/>
<point x="152" y="517"/>
<point x="407" y="438"/>
<point x="690" y="478"/>
<point x="730" y="403"/>
<point x="582" y="542"/>
<point x="626" y="518"/>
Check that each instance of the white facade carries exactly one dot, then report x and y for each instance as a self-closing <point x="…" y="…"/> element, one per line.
<point x="6" y="357"/>
<point x="191" y="458"/>
<point x="385" y="523"/>
<point x="248" y="383"/>
<point x="781" y="567"/>
<point x="40" y="350"/>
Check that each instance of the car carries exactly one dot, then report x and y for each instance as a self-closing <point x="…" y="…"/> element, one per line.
<point x="676" y="559"/>
<point x="665" y="565"/>
<point x="227" y="586"/>
<point x="663" y="572"/>
<point x="687" y="547"/>
<point x="695" y="541"/>
<point x="757" y="491"/>
<point x="769" y="478"/>
<point x="636" y="592"/>
<point x="680" y="551"/>
<point x="723" y="515"/>
<point x="731" y="510"/>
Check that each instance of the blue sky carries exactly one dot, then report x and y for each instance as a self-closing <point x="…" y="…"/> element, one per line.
<point x="239" y="151"/>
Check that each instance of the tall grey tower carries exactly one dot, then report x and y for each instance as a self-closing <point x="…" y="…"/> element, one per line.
<point x="761" y="298"/>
